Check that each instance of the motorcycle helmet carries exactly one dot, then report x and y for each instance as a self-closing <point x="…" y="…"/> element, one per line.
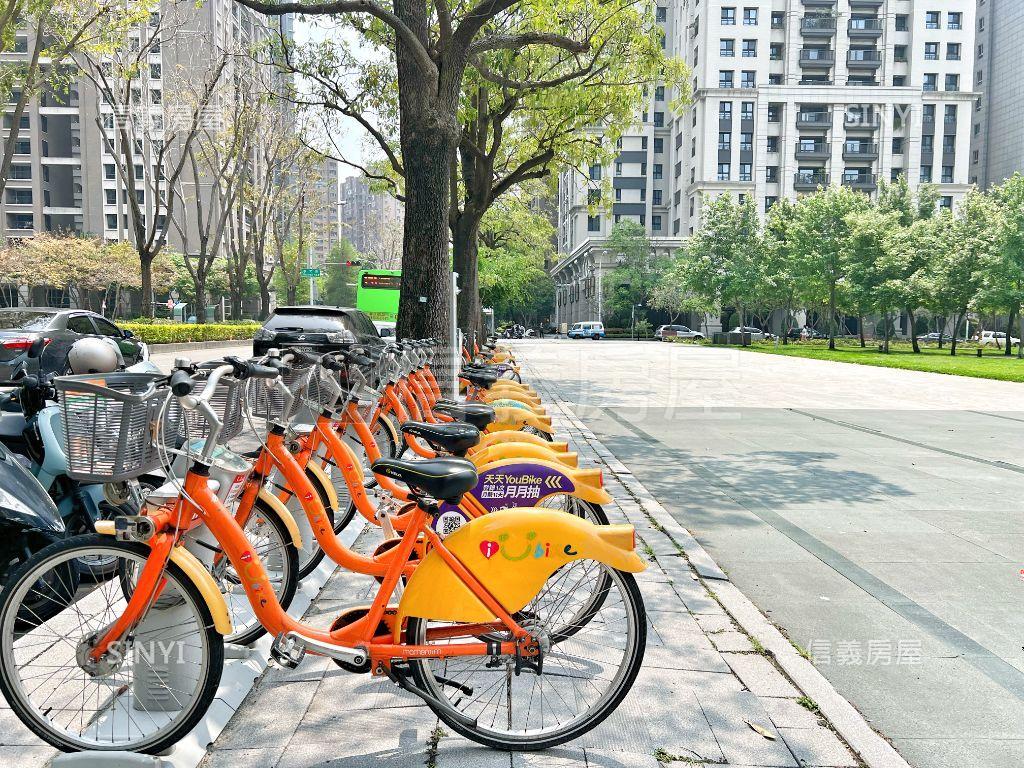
<point x="93" y="356"/>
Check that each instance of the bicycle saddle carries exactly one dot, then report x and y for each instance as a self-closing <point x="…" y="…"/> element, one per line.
<point x="477" y="414"/>
<point x="479" y="378"/>
<point x="446" y="479"/>
<point x="454" y="437"/>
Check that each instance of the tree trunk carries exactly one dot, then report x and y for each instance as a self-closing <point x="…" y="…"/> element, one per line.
<point x="1008" y="350"/>
<point x="200" y="285"/>
<point x="465" y="248"/>
<point x="913" y="332"/>
<point x="428" y="146"/>
<point x="832" y="317"/>
<point x="146" y="264"/>
<point x="888" y="323"/>
<point x="293" y="294"/>
<point x="956" y="326"/>
<point x="1020" y="334"/>
<point x="264" y="299"/>
<point x="860" y="330"/>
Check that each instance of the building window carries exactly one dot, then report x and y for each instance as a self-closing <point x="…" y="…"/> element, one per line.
<point x="658" y="171"/>
<point x="899" y="53"/>
<point x="656" y="223"/>
<point x="746" y="142"/>
<point x="725" y="110"/>
<point x="769" y="201"/>
<point x="774" y="113"/>
<point x="20" y="44"/>
<point x="750" y="17"/>
<point x="775" y="51"/>
<point x="111" y="196"/>
<point x="932" y="19"/>
<point x="659" y="119"/>
<point x="927" y="143"/>
<point x="774" y="79"/>
<point x="692" y="205"/>
<point x="902" y="22"/>
<point x="949" y="115"/>
<point x="678" y="171"/>
<point x="897" y="145"/>
<point x="747" y="110"/>
<point x="155" y="70"/>
<point x="618" y="168"/>
<point x="745" y="172"/>
<point x="773" y="144"/>
<point x="659" y="146"/>
<point x="19" y="196"/>
<point x="899" y="81"/>
<point x="926" y="174"/>
<point x="931" y="81"/>
<point x="725" y="78"/>
<point x="724" y="142"/>
<point x="23" y="147"/>
<point x="21" y="172"/>
<point x="980" y="77"/>
<point x="693" y="147"/>
<point x="747" y="79"/>
<point x="977" y="129"/>
<point x="111" y="221"/>
<point x="953" y="51"/>
<point x="661" y="14"/>
<point x="949" y="144"/>
<point x="693" y="175"/>
<point x="981" y="51"/>
<point x="724" y="171"/>
<point x="778" y="19"/>
<point x="726" y="47"/>
<point x="657" y="197"/>
<point x="728" y="17"/>
<point x="946" y="201"/>
<point x="952" y="82"/>
<point x="750" y="49"/>
<point x="931" y="51"/>
<point x="593" y="223"/>
<point x="947" y="174"/>
<point x="771" y="174"/>
<point x="595" y="172"/>
<point x="618" y="195"/>
<point x="954" y="20"/>
<point x="594" y="196"/>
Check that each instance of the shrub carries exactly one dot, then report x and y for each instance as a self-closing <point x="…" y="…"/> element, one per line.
<point x="179" y="333"/>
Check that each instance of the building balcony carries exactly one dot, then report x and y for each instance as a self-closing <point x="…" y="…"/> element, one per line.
<point x="866" y="3"/>
<point x="860" y="150"/>
<point x="818" y="26"/>
<point x="819" y="3"/>
<point x="807" y="181"/>
<point x="814" y="119"/>
<point x="865" y="28"/>
<point x="864" y="59"/>
<point x="816" y="150"/>
<point x="863" y="182"/>
<point x="863" y="120"/>
<point x="817" y="57"/>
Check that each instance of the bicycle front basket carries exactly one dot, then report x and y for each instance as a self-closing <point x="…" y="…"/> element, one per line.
<point x="226" y="402"/>
<point x="111" y="424"/>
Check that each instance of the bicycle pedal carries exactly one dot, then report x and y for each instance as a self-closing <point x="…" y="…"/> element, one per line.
<point x="286" y="652"/>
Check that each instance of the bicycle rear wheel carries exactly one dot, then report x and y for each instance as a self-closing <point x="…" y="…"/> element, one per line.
<point x="145" y="694"/>
<point x="581" y="679"/>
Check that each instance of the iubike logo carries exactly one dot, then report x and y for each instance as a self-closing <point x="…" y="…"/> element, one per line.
<point x="515" y="553"/>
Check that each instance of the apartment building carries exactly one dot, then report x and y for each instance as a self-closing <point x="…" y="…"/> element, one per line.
<point x="325" y="226"/>
<point x="63" y="177"/>
<point x="997" y="135"/>
<point x="787" y="96"/>
<point x="372" y="222"/>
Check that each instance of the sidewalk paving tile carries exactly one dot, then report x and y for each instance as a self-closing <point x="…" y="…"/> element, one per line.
<point x="817" y="747"/>
<point x="600" y="758"/>
<point x="760" y="675"/>
<point x="456" y="752"/>
<point x="730" y="716"/>
<point x="730" y="641"/>
<point x="787" y="713"/>
<point x="228" y="757"/>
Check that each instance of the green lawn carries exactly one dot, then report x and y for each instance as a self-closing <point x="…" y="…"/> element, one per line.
<point x="966" y="363"/>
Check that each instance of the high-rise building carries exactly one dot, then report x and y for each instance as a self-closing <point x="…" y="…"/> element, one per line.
<point x="787" y="96"/>
<point x="372" y="222"/>
<point x="325" y="226"/>
<point x="997" y="132"/>
<point x="64" y="177"/>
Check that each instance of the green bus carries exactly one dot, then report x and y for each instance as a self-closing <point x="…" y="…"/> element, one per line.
<point x="377" y="293"/>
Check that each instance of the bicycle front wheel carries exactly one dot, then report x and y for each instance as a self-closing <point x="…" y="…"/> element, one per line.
<point x="145" y="693"/>
<point x="578" y="680"/>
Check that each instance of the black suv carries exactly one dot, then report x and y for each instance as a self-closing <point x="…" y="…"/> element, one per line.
<point x="316" y="329"/>
<point x="20" y="326"/>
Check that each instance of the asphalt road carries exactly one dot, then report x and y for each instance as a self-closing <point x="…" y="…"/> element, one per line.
<point x="873" y="514"/>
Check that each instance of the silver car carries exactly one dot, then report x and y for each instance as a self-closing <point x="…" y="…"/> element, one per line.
<point x="677" y="331"/>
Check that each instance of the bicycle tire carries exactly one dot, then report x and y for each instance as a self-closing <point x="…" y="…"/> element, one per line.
<point x="214" y="643"/>
<point x="306" y="567"/>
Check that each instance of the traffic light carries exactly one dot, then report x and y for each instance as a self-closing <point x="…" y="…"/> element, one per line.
<point x="353" y="263"/>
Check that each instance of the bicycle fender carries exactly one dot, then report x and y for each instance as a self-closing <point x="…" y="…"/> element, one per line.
<point x="511" y="394"/>
<point x="516" y="418"/>
<point x="511" y="402"/>
<point x="523" y="451"/>
<point x="512" y="553"/>
<point x="325" y="483"/>
<point x="200" y="577"/>
<point x="508" y="482"/>
<point x="282" y="512"/>
<point x="511" y="436"/>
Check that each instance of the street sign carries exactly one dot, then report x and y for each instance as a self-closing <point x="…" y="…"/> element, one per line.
<point x="311" y="272"/>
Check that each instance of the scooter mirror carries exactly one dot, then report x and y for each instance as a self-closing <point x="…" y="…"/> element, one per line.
<point x="35" y="350"/>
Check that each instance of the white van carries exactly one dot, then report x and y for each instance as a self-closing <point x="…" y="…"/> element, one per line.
<point x="588" y="330"/>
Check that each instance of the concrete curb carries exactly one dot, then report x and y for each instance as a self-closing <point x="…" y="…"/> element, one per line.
<point x="156" y="349"/>
<point x="866" y="743"/>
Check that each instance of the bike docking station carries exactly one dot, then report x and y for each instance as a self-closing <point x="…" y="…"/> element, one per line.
<point x="243" y="667"/>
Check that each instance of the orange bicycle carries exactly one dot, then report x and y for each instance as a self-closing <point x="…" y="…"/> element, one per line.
<point x="479" y="631"/>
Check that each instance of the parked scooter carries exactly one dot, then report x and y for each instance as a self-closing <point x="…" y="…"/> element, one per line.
<point x="35" y="432"/>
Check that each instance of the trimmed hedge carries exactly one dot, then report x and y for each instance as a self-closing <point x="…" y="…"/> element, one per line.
<point x="182" y="333"/>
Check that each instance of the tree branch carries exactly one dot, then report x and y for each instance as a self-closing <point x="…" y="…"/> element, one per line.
<point x="515" y="42"/>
